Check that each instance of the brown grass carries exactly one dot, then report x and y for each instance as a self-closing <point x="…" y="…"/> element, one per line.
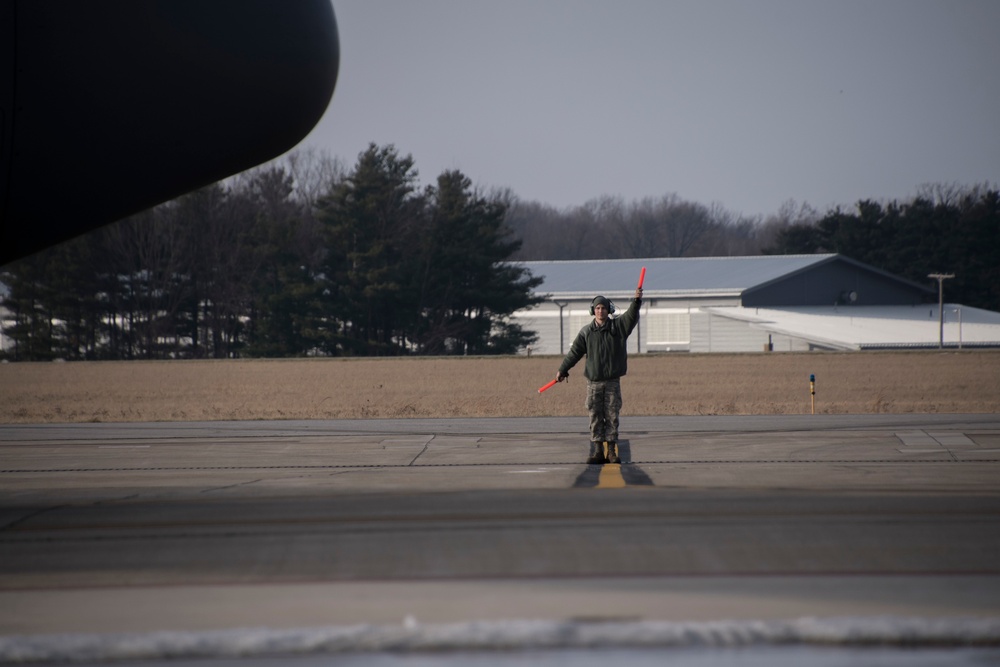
<point x="892" y="382"/>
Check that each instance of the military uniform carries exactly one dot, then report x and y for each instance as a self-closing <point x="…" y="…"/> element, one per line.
<point x="604" y="347"/>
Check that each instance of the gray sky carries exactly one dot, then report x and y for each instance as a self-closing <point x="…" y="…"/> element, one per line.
<point x="744" y="103"/>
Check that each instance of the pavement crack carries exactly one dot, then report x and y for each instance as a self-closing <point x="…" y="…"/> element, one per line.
<point x="421" y="452"/>
<point x="230" y="486"/>
<point x="29" y="516"/>
<point x="111" y="501"/>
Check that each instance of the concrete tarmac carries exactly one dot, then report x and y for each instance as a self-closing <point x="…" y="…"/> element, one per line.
<point x="216" y="525"/>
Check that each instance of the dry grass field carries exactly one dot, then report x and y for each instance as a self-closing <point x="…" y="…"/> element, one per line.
<point x="741" y="384"/>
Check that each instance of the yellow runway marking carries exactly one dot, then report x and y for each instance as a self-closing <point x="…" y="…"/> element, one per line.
<point x="611" y="477"/>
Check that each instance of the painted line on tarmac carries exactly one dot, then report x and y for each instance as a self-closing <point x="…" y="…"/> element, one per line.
<point x="614" y="475"/>
<point x="611" y="477"/>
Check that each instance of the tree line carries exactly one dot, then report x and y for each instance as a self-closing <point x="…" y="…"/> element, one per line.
<point x="943" y="228"/>
<point x="308" y="257"/>
<point x="301" y="258"/>
<point x="665" y="226"/>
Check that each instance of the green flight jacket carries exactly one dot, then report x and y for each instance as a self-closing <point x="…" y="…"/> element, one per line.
<point x="604" y="346"/>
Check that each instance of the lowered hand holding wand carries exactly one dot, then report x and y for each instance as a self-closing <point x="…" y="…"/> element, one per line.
<point x="550" y="384"/>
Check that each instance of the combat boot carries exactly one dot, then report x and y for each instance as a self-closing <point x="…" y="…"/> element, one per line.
<point x="596" y="453"/>
<point x="613" y="452"/>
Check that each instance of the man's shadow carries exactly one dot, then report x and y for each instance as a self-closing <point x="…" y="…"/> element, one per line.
<point x="631" y="473"/>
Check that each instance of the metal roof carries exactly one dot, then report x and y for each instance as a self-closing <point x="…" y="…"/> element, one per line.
<point x="674" y="276"/>
<point x="873" y="327"/>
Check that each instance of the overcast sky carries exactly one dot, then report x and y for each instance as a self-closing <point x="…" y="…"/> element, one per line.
<point x="743" y="103"/>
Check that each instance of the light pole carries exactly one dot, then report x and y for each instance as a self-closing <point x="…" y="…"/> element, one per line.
<point x="941" y="277"/>
<point x="561" y="306"/>
<point x="958" y="311"/>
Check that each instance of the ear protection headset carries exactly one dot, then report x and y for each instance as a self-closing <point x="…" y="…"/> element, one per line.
<point x="611" y="306"/>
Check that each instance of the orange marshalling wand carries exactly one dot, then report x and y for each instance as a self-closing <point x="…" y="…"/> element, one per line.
<point x="541" y="389"/>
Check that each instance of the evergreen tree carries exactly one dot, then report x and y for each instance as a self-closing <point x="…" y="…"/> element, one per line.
<point x="468" y="287"/>
<point x="286" y="315"/>
<point x="369" y="219"/>
<point x="28" y="304"/>
<point x="959" y="234"/>
<point x="75" y="297"/>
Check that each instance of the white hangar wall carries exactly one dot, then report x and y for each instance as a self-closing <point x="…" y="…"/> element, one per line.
<point x="663" y="327"/>
<point x="753" y="304"/>
<point x="711" y="333"/>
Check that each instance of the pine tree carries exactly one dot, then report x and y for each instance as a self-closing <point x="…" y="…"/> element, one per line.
<point x="28" y="304"/>
<point x="369" y="218"/>
<point x="468" y="287"/>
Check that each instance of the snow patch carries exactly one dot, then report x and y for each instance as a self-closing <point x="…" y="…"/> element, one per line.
<point x="411" y="636"/>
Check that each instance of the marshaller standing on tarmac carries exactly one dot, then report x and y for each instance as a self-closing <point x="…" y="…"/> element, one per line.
<point x="604" y="343"/>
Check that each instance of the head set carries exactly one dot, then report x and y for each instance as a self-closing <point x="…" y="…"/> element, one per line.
<point x="602" y="300"/>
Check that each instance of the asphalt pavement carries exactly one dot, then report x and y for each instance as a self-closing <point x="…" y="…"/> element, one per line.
<point x="214" y="526"/>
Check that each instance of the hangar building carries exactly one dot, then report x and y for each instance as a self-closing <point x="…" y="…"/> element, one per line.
<point x="753" y="304"/>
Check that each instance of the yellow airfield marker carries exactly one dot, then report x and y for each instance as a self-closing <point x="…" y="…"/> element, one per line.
<point x="611" y="477"/>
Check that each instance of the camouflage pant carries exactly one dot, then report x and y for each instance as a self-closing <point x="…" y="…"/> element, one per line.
<point x="604" y="401"/>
